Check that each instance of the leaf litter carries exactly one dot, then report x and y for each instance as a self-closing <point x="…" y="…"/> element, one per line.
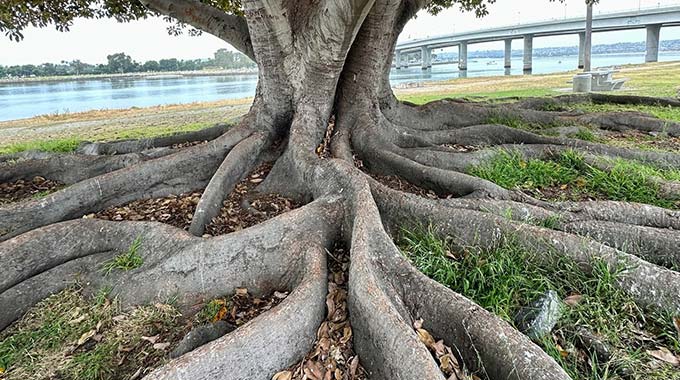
<point x="21" y="190"/>
<point x="243" y="208"/>
<point x="333" y="356"/>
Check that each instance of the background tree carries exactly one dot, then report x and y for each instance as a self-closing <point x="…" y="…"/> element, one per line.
<point x="121" y="63"/>
<point x="325" y="113"/>
<point x="151" y="66"/>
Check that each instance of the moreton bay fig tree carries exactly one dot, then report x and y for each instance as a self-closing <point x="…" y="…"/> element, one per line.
<point x="325" y="114"/>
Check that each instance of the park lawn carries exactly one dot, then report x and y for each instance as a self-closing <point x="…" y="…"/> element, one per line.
<point x="507" y="278"/>
<point x="654" y="79"/>
<point x="64" y="132"/>
<point x="70" y="144"/>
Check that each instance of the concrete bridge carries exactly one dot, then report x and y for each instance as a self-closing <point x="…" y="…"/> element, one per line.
<point x="651" y="19"/>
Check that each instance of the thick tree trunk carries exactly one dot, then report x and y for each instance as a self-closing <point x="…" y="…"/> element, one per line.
<point x="324" y="96"/>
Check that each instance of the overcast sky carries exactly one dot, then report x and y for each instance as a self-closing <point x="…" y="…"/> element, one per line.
<point x="92" y="40"/>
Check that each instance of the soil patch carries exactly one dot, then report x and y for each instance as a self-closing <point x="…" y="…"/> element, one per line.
<point x="333" y="355"/>
<point x="243" y="208"/>
<point x="21" y="190"/>
<point x="400" y="184"/>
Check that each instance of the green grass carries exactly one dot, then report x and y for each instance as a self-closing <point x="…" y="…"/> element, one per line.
<point x="42" y="194"/>
<point x="626" y="181"/>
<point x="48" y="327"/>
<point x="520" y="93"/>
<point x="68" y="145"/>
<point x="506" y="278"/>
<point x="127" y="261"/>
<point x="56" y="146"/>
<point x="661" y="112"/>
<point x="585" y="135"/>
<point x="211" y="310"/>
<point x="518" y="123"/>
<point x="44" y="343"/>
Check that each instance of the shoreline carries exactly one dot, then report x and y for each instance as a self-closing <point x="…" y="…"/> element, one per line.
<point x="159" y="75"/>
<point x="657" y="79"/>
<point x="151" y="75"/>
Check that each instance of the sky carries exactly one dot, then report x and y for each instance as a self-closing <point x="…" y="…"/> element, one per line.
<point x="92" y="40"/>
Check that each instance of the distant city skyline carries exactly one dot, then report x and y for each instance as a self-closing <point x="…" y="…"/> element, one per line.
<point x="92" y="40"/>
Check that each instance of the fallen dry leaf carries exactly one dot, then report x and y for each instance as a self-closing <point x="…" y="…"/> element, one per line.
<point x="77" y="320"/>
<point x="283" y="375"/>
<point x="665" y="355"/>
<point x="573" y="299"/>
<point x="426" y="338"/>
<point x="151" y="339"/>
<point x="85" y="337"/>
<point x="161" y="346"/>
<point x="676" y="323"/>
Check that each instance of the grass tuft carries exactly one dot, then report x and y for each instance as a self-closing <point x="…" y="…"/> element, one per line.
<point x="47" y="343"/>
<point x="585" y="135"/>
<point x="574" y="178"/>
<point x="662" y="112"/>
<point x="504" y="279"/>
<point x="56" y="146"/>
<point x="127" y="261"/>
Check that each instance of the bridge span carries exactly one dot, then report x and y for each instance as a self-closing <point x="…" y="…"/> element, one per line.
<point x="651" y="19"/>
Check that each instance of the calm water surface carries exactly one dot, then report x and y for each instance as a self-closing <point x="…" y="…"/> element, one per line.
<point x="19" y="101"/>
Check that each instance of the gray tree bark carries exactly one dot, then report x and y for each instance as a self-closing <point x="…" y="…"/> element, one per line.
<point x="320" y="60"/>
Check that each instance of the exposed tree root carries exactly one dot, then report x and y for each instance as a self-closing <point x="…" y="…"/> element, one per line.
<point x="451" y="113"/>
<point x="240" y="161"/>
<point x="386" y="282"/>
<point x="648" y="284"/>
<point x="68" y="168"/>
<point x="140" y="145"/>
<point x="285" y="253"/>
<point x="186" y="170"/>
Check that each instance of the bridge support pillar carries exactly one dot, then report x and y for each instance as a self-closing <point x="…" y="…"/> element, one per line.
<point x="581" y="50"/>
<point x="653" y="40"/>
<point x="462" y="56"/>
<point x="528" y="53"/>
<point x="426" y="57"/>
<point x="508" y="54"/>
<point x="397" y="59"/>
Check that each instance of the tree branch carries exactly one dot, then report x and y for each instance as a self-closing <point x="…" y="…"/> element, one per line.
<point x="230" y="28"/>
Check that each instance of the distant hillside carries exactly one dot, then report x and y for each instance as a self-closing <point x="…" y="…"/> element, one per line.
<point x="622" y="47"/>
